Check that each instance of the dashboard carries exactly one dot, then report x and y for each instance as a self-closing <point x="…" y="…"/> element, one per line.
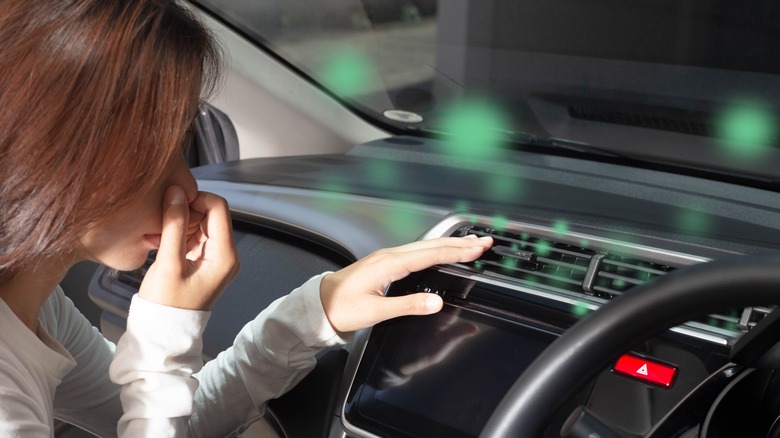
<point x="570" y="235"/>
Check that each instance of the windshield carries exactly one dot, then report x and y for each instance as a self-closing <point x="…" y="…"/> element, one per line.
<point x="693" y="83"/>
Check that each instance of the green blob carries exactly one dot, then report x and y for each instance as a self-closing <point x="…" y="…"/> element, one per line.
<point x="745" y="130"/>
<point x="347" y="73"/>
<point x="509" y="262"/>
<point x="584" y="243"/>
<point x="329" y="203"/>
<point x="383" y="173"/>
<point x="461" y="206"/>
<point x="579" y="309"/>
<point x="560" y="227"/>
<point x="619" y="283"/>
<point x="360" y="20"/>
<point x="543" y="248"/>
<point x="501" y="188"/>
<point x="333" y="185"/>
<point x="693" y="221"/>
<point x="400" y="221"/>
<point x="499" y="222"/>
<point x="475" y="129"/>
<point x="410" y="14"/>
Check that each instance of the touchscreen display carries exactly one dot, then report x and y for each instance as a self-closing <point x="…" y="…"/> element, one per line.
<point x="440" y="375"/>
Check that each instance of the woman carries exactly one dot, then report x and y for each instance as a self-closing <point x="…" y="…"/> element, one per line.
<point x="96" y="102"/>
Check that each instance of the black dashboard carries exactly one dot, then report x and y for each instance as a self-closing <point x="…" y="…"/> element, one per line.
<point x="570" y="235"/>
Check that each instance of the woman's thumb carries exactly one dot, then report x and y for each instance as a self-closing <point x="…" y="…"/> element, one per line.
<point x="175" y="217"/>
<point x="413" y="304"/>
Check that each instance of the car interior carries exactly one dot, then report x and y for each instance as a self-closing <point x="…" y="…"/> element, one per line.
<point x="631" y="285"/>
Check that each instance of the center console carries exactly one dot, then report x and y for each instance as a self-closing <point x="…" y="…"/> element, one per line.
<point x="444" y="374"/>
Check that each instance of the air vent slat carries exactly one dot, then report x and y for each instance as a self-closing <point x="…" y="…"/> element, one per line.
<point x="610" y="293"/>
<point x="534" y="260"/>
<point x="509" y="270"/>
<point x="563" y="264"/>
<point x="633" y="281"/>
<point x="634" y="267"/>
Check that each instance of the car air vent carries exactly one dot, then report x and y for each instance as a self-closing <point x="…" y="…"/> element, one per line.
<point x="537" y="261"/>
<point x="540" y="261"/>
<point x="616" y="274"/>
<point x="532" y="260"/>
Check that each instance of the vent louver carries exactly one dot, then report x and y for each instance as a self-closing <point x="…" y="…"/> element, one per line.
<point x="537" y="261"/>
<point x="562" y="266"/>
<point x="616" y="274"/>
<point x="532" y="260"/>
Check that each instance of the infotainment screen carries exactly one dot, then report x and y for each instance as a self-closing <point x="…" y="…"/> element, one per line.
<point x="439" y="375"/>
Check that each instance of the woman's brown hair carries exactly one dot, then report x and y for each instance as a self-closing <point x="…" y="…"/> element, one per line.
<point x="96" y="99"/>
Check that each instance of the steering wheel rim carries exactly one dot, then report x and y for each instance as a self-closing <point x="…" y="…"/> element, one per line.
<point x="597" y="340"/>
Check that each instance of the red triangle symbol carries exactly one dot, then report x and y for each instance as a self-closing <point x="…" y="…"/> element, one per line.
<point x="642" y="370"/>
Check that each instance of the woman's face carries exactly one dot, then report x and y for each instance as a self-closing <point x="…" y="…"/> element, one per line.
<point x="123" y="242"/>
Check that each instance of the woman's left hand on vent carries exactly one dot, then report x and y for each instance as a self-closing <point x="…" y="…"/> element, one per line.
<point x="353" y="298"/>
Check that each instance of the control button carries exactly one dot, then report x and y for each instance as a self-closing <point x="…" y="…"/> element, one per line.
<point x="646" y="370"/>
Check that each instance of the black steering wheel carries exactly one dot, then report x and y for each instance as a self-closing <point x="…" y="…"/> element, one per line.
<point x="640" y="314"/>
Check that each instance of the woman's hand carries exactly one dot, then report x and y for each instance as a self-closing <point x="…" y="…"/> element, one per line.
<point x="197" y="258"/>
<point x="353" y="298"/>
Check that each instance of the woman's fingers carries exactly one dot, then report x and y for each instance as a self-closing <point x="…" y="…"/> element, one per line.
<point x="435" y="252"/>
<point x="461" y="242"/>
<point x="175" y="218"/>
<point x="351" y="313"/>
<point x="413" y="304"/>
<point x="216" y="225"/>
<point x="196" y="218"/>
<point x="196" y="259"/>
<point x="353" y="298"/>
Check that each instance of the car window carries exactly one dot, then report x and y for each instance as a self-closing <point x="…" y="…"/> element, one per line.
<point x="688" y="83"/>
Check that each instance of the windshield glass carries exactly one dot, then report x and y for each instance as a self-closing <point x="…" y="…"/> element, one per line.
<point x="692" y="83"/>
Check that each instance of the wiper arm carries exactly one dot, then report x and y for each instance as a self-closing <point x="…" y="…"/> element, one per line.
<point x="558" y="143"/>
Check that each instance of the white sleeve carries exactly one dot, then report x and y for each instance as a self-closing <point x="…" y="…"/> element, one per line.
<point x="85" y="397"/>
<point x="156" y="357"/>
<point x="270" y="355"/>
<point x="154" y="362"/>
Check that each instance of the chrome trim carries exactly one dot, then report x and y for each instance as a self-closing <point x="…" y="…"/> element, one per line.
<point x="592" y="303"/>
<point x="677" y="259"/>
<point x="686" y="330"/>
<point x="692" y="329"/>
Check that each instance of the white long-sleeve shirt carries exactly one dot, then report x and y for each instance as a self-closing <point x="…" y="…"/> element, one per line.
<point x="62" y="370"/>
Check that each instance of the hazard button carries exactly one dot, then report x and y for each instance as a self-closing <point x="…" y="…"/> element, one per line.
<point x="646" y="370"/>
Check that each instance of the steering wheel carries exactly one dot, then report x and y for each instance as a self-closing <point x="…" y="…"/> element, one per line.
<point x="598" y="339"/>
